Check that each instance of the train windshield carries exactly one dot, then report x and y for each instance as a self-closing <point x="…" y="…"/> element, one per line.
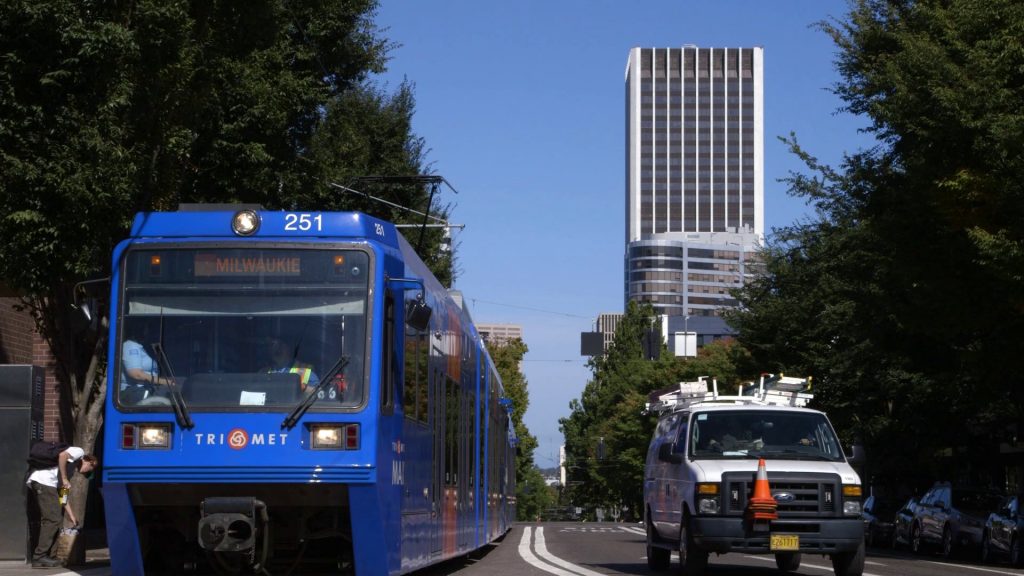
<point x="243" y="329"/>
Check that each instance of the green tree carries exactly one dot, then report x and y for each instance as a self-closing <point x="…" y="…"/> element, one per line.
<point x="111" y="108"/>
<point x="532" y="496"/>
<point x="606" y="433"/>
<point x="725" y="360"/>
<point x="904" y="297"/>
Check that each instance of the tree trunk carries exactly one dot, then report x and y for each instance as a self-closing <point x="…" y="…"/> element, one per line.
<point x="83" y="394"/>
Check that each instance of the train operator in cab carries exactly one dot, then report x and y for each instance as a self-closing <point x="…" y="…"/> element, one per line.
<point x="283" y="358"/>
<point x="141" y="381"/>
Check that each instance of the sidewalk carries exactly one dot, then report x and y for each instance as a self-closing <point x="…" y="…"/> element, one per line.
<point x="97" y="563"/>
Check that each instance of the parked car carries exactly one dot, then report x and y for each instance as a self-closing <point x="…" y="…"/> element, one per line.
<point x="902" y="522"/>
<point x="879" y="514"/>
<point x="1003" y="532"/>
<point x="952" y="517"/>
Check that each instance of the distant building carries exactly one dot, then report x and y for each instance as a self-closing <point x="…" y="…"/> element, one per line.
<point x="694" y="177"/>
<point x="606" y="325"/>
<point x="499" y="334"/>
<point x="684" y="335"/>
<point x="596" y="343"/>
<point x="491" y="333"/>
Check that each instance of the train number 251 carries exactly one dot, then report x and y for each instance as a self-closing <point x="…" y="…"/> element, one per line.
<point x="303" y="222"/>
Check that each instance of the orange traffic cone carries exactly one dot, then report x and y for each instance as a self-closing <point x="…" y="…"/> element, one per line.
<point x="762" y="506"/>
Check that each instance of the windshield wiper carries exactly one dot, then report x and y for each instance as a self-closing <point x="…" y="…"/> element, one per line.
<point x="301" y="407"/>
<point x="791" y="454"/>
<point x="177" y="401"/>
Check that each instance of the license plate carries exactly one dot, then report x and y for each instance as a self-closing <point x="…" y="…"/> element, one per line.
<point x="784" y="542"/>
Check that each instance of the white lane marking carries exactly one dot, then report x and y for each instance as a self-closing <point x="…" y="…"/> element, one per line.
<point x="979" y="569"/>
<point x="541" y="547"/>
<point x="527" y="554"/>
<point x="639" y="531"/>
<point x="802" y="564"/>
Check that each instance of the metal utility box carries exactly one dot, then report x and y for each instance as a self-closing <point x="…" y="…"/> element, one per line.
<point x="21" y="420"/>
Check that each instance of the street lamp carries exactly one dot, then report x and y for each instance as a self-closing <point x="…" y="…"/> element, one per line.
<point x="686" y="337"/>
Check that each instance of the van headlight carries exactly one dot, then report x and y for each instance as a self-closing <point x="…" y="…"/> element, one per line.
<point x="707" y="498"/>
<point x="851" y="499"/>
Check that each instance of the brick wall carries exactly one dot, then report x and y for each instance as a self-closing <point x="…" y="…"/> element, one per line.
<point x="20" y="344"/>
<point x="51" y="395"/>
<point x="17" y="333"/>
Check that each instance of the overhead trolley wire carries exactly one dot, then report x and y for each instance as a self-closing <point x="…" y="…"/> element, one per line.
<point x="475" y="300"/>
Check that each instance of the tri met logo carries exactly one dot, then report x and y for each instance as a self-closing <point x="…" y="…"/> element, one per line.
<point x="239" y="438"/>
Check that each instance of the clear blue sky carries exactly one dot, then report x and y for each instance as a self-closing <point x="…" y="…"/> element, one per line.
<point x="522" y="106"/>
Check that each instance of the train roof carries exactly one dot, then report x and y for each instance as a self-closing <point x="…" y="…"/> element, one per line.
<point x="216" y="222"/>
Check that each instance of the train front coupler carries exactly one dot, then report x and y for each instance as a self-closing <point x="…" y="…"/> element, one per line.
<point x="228" y="529"/>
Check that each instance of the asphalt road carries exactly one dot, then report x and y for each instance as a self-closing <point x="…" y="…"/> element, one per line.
<point x="598" y="549"/>
<point x="592" y="549"/>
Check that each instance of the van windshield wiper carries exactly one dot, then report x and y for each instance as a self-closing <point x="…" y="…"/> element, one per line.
<point x="177" y="401"/>
<point x="792" y="454"/>
<point x="293" y="417"/>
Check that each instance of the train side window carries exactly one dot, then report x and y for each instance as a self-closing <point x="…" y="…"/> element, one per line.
<point x="414" y="385"/>
<point x="451" y="431"/>
<point x="410" y="383"/>
<point x="387" y="392"/>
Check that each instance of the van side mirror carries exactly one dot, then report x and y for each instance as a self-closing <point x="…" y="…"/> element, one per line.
<point x="857" y="455"/>
<point x="667" y="454"/>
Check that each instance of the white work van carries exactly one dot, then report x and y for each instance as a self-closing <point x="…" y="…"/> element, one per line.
<point x="700" y="476"/>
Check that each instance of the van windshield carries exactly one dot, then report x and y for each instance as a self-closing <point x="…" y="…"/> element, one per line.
<point x="770" y="434"/>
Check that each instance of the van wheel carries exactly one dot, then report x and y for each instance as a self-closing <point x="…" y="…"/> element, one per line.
<point x="658" y="559"/>
<point x="692" y="559"/>
<point x="788" y="561"/>
<point x="986" y="548"/>
<point x="1016" y="554"/>
<point x="849" y="563"/>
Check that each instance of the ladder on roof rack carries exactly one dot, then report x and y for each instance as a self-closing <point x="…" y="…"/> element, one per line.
<point x="771" y="390"/>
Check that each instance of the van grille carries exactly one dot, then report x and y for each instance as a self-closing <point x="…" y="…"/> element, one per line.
<point x="813" y="494"/>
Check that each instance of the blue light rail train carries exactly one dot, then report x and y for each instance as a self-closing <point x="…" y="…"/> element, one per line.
<point x="294" y="393"/>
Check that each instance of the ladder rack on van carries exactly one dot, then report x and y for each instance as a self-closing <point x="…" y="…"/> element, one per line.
<point x="771" y="390"/>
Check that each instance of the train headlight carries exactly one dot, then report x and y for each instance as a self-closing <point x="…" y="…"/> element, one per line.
<point x="154" y="436"/>
<point x="334" y="436"/>
<point x="326" y="437"/>
<point x="245" y="222"/>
